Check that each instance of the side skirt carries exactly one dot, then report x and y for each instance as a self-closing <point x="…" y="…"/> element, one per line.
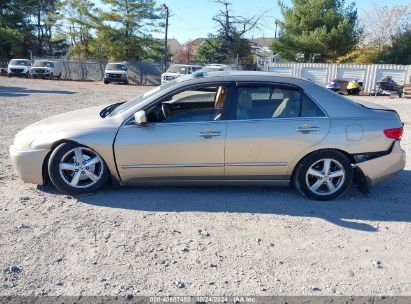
<point x="206" y="182"/>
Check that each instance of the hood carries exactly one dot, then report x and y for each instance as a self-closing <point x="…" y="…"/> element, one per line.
<point x="171" y="74"/>
<point x="115" y="71"/>
<point x="40" y="68"/>
<point x="88" y="118"/>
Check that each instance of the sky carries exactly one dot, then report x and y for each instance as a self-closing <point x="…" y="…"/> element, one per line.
<point x="192" y="19"/>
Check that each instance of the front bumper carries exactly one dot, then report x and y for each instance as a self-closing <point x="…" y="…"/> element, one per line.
<point x="24" y="73"/>
<point x="381" y="168"/>
<point x="29" y="164"/>
<point x="116" y="79"/>
<point x="39" y="75"/>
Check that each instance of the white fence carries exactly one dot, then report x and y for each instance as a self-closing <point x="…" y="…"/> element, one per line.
<point x="322" y="73"/>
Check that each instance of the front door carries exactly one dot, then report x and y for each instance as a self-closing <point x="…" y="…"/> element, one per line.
<point x="273" y="125"/>
<point x="184" y="138"/>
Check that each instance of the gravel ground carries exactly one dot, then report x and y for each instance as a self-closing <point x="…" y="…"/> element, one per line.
<point x="192" y="241"/>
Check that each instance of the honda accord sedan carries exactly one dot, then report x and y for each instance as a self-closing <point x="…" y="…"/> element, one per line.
<point x="217" y="128"/>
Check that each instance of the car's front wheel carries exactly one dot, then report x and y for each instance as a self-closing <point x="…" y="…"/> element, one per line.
<point x="323" y="175"/>
<point x="75" y="169"/>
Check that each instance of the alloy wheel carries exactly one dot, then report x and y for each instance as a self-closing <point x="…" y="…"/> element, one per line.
<point x="325" y="176"/>
<point x="81" y="167"/>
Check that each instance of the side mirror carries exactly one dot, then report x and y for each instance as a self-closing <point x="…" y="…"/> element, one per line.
<point x="140" y="117"/>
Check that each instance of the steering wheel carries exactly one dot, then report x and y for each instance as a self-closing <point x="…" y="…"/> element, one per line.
<point x="165" y="110"/>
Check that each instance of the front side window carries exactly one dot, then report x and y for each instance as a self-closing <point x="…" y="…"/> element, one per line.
<point x="181" y="69"/>
<point x="191" y="105"/>
<point x="260" y="102"/>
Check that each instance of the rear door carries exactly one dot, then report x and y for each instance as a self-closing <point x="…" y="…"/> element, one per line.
<point x="272" y="125"/>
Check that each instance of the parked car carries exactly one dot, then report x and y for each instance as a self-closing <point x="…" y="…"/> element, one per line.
<point x="46" y="69"/>
<point x="19" y="67"/>
<point x="116" y="72"/>
<point x="216" y="68"/>
<point x="231" y="127"/>
<point x="177" y="70"/>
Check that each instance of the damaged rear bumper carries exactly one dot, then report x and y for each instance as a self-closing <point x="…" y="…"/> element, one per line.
<point x="371" y="172"/>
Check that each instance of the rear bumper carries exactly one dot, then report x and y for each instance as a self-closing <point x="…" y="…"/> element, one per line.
<point x="29" y="164"/>
<point x="381" y="168"/>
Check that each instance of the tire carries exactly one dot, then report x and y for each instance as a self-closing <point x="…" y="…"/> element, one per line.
<point x="51" y="76"/>
<point x="9" y="75"/>
<point x="59" y="76"/>
<point x="318" y="186"/>
<point x="27" y="75"/>
<point x="106" y="82"/>
<point x="77" y="173"/>
<point x="126" y="82"/>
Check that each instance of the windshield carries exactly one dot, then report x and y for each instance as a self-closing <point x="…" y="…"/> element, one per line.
<point x="43" y="64"/>
<point x="19" y="62"/>
<point x="116" y="67"/>
<point x="212" y="68"/>
<point x="182" y="69"/>
<point x="129" y="104"/>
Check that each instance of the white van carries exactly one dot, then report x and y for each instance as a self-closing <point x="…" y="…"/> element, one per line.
<point x="176" y="70"/>
<point x="116" y="72"/>
<point x="19" y="67"/>
<point x="46" y="68"/>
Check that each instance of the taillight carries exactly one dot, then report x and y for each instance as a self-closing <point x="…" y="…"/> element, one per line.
<point x="395" y="133"/>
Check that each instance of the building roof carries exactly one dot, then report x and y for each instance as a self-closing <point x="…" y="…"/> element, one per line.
<point x="262" y="41"/>
<point x="174" y="46"/>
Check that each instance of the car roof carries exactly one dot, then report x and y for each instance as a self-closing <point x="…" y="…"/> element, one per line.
<point x="242" y="76"/>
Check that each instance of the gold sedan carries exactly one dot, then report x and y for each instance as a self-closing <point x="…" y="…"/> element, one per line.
<point x="217" y="128"/>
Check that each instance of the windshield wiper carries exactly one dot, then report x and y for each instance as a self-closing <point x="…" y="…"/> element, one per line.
<point x="107" y="110"/>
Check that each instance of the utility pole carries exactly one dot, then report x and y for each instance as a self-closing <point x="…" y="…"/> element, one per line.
<point x="276" y="24"/>
<point x="165" y="8"/>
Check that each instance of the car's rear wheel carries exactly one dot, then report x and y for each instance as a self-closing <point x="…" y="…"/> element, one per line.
<point x="75" y="169"/>
<point x="323" y="175"/>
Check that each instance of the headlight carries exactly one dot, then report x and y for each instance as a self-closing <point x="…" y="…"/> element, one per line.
<point x="107" y="74"/>
<point x="23" y="141"/>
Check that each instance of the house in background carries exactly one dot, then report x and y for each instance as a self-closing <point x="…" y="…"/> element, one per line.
<point x="262" y="51"/>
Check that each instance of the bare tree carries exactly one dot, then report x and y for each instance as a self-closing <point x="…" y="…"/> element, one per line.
<point x="381" y="23"/>
<point x="232" y="27"/>
<point x="229" y="41"/>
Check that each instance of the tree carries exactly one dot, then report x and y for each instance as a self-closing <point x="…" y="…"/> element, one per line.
<point x="186" y="54"/>
<point x="229" y="40"/>
<point x="399" y="52"/>
<point x="125" y="27"/>
<point x="15" y="29"/>
<point x="382" y="23"/>
<point x="363" y="54"/>
<point x="317" y="30"/>
<point x="75" y="21"/>
<point x="210" y="51"/>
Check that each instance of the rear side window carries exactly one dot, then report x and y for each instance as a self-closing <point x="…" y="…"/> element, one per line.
<point x="257" y="102"/>
<point x="309" y="108"/>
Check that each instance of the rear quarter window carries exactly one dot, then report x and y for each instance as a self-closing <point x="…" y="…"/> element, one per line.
<point x="309" y="108"/>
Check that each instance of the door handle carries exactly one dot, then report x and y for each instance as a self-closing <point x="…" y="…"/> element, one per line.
<point x="307" y="129"/>
<point x="209" y="133"/>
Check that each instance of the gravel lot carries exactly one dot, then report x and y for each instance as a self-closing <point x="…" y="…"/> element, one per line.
<point x="192" y="241"/>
